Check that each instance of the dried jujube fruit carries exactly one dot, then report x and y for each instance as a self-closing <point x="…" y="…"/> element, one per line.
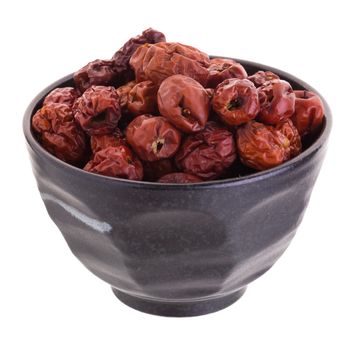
<point x="66" y="95"/>
<point x="98" y="142"/>
<point x="290" y="131"/>
<point x="123" y="93"/>
<point x="236" y="101"/>
<point x="221" y="69"/>
<point x="97" y="110"/>
<point x="309" y="111"/>
<point x="136" y="62"/>
<point x="208" y="153"/>
<point x="98" y="72"/>
<point x="263" y="147"/>
<point x="261" y="77"/>
<point x="142" y="98"/>
<point x="116" y="161"/>
<point x="58" y="133"/>
<point x="184" y="102"/>
<point x="166" y="112"/>
<point x="158" y="61"/>
<point x="122" y="57"/>
<point x="179" y="178"/>
<point x="152" y="137"/>
<point x="277" y="101"/>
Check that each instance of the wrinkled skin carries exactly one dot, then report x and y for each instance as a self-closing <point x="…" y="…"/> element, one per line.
<point x="179" y="178"/>
<point x="208" y="153"/>
<point x="261" y="77"/>
<point x="236" y="101"/>
<point x="277" y="101"/>
<point x="263" y="147"/>
<point x="98" y="72"/>
<point x="142" y="98"/>
<point x="58" y="133"/>
<point x="97" y="110"/>
<point x="66" y="95"/>
<point x="155" y="170"/>
<point x="153" y="138"/>
<point x="99" y="142"/>
<point x="122" y="57"/>
<point x="123" y="93"/>
<point x="192" y="94"/>
<point x="116" y="162"/>
<point x="184" y="102"/>
<point x="290" y="131"/>
<point x="159" y="61"/>
<point x="221" y="69"/>
<point x="136" y="62"/>
<point x="309" y="112"/>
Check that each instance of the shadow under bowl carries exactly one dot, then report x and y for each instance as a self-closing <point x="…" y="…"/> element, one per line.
<point x="178" y="249"/>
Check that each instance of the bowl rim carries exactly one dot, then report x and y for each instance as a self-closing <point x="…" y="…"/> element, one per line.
<point x="260" y="175"/>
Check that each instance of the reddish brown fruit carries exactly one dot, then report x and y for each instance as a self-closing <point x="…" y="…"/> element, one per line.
<point x="277" y="101"/>
<point x="309" y="112"/>
<point x="153" y="138"/>
<point x="159" y="61"/>
<point x="208" y="153"/>
<point x="236" y="101"/>
<point x="66" y="96"/>
<point x="263" y="147"/>
<point x="142" y="98"/>
<point x="97" y="110"/>
<point x="261" y="77"/>
<point x="221" y="69"/>
<point x="184" y="102"/>
<point x="117" y="162"/>
<point x="58" y="133"/>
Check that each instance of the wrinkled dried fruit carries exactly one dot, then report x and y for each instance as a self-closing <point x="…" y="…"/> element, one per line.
<point x="153" y="138"/>
<point x="136" y="62"/>
<point x="221" y="69"/>
<point x="155" y="170"/>
<point x="277" y="101"/>
<point x="153" y="92"/>
<point x="117" y="162"/>
<point x="98" y="72"/>
<point x="142" y="98"/>
<point x="263" y="147"/>
<point x="159" y="61"/>
<point x="179" y="178"/>
<point x="97" y="110"/>
<point x="207" y="153"/>
<point x="309" y="111"/>
<point x="122" y="57"/>
<point x="290" y="131"/>
<point x="123" y="93"/>
<point x="58" y="132"/>
<point x="99" y="142"/>
<point x="261" y="77"/>
<point x="236" y="101"/>
<point x="66" y="95"/>
<point x="184" y="102"/>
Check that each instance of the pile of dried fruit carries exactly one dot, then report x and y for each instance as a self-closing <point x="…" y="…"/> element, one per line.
<point x="166" y="112"/>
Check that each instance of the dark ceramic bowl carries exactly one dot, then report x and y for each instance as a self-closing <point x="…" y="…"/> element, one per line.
<point x="178" y="249"/>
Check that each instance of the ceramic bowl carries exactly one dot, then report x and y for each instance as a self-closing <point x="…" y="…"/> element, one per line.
<point x="178" y="249"/>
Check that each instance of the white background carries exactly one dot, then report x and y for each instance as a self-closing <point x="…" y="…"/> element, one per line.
<point x="48" y="300"/>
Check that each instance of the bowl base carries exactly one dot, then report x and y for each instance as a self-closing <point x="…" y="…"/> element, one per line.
<point x="178" y="309"/>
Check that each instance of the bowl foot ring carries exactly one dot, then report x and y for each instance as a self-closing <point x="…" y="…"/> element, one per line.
<point x="178" y="309"/>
